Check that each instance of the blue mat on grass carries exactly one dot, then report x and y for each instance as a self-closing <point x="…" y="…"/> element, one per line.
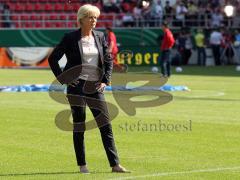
<point x="45" y="88"/>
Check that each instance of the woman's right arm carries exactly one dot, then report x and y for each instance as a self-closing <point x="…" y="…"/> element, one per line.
<point x="56" y="55"/>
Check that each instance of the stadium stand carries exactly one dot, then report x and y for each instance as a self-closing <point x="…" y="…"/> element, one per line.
<point x="62" y="13"/>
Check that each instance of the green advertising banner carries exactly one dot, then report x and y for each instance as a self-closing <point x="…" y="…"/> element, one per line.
<point x="136" y="46"/>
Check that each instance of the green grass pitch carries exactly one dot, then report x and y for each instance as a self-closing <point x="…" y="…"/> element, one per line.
<point x="32" y="147"/>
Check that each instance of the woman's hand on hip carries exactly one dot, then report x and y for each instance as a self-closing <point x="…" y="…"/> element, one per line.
<point x="74" y="83"/>
<point x="101" y="87"/>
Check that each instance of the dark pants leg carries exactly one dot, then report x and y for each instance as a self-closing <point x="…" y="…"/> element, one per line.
<point x="79" y="116"/>
<point x="201" y="56"/>
<point x="186" y="56"/>
<point x="98" y="107"/>
<point x="165" y="63"/>
<point x="101" y="115"/>
<point x="216" y="54"/>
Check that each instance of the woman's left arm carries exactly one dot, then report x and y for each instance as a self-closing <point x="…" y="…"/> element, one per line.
<point x="108" y="62"/>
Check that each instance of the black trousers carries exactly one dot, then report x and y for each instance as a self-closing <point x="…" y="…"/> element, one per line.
<point x="201" y="56"/>
<point x="216" y="54"/>
<point x="85" y="94"/>
<point x="165" y="63"/>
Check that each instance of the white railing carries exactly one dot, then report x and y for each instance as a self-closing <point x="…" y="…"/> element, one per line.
<point x="49" y="20"/>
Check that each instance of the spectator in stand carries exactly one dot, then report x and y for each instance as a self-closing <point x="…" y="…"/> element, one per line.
<point x="215" y="4"/>
<point x="156" y="13"/>
<point x="1" y="7"/>
<point x="128" y="20"/>
<point x="201" y="15"/>
<point x="110" y="6"/>
<point x="166" y="46"/>
<point x="137" y="15"/>
<point x="227" y="46"/>
<point x="126" y="5"/>
<point x="207" y="14"/>
<point x="168" y="11"/>
<point x="192" y="14"/>
<point x="146" y="11"/>
<point x="216" y="18"/>
<point x="6" y="16"/>
<point x="216" y="39"/>
<point x="200" y="45"/>
<point x="181" y="11"/>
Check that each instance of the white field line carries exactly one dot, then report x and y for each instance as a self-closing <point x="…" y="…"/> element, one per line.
<point x="179" y="173"/>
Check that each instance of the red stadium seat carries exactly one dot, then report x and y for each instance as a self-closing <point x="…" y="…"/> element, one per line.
<point x="48" y="7"/>
<point x="63" y="17"/>
<point x="60" y="24"/>
<point x="35" y="17"/>
<point x="19" y="7"/>
<point x="14" y="17"/>
<point x="24" y="17"/>
<point x="100" y="24"/>
<point x="48" y="24"/>
<point x="126" y="7"/>
<point x="12" y="6"/>
<point x="38" y="24"/>
<point x="68" y="7"/>
<point x="17" y="24"/>
<point x="29" y="7"/>
<point x="58" y="7"/>
<point x="28" y="24"/>
<point x="45" y="16"/>
<point x="72" y="17"/>
<point x="109" y="24"/>
<point x="76" y="6"/>
<point x="71" y="24"/>
<point x="38" y="7"/>
<point x="98" y="5"/>
<point x="53" y="17"/>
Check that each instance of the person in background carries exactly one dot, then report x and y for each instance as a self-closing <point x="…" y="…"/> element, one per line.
<point x="168" y="11"/>
<point x="6" y="16"/>
<point x="237" y="45"/>
<point x="227" y="48"/>
<point x="128" y="19"/>
<point x="137" y="15"/>
<point x="181" y="12"/>
<point x="216" y="38"/>
<point x="113" y="50"/>
<point x="188" y="48"/>
<point x="166" y="46"/>
<point x="156" y="13"/>
<point x="89" y="61"/>
<point x="216" y="18"/>
<point x="200" y="45"/>
<point x="180" y="44"/>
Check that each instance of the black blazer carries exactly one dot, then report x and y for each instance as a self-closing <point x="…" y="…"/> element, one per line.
<point x="70" y="46"/>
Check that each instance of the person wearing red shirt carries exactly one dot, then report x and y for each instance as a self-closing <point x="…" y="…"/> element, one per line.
<point x="113" y="49"/>
<point x="167" y="43"/>
<point x="112" y="42"/>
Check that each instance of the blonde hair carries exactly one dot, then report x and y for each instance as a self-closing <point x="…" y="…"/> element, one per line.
<point x="87" y="10"/>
